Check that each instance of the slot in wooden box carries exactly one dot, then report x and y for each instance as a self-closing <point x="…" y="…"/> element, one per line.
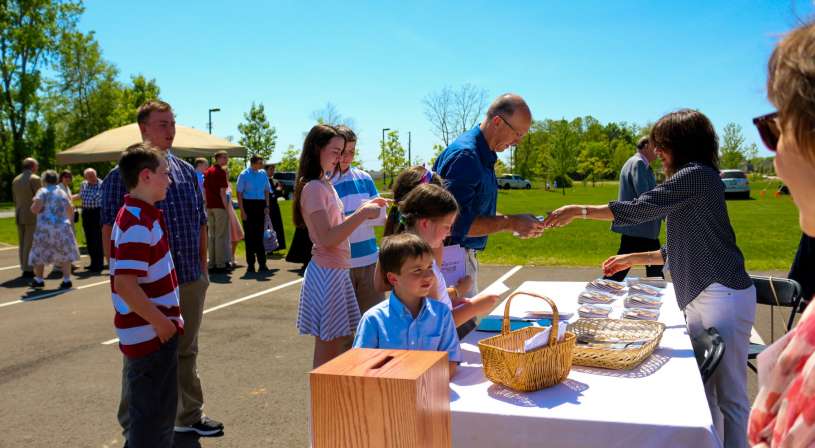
<point x="381" y="399"/>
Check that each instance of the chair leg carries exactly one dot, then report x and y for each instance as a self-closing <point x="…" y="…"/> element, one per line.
<point x="752" y="367"/>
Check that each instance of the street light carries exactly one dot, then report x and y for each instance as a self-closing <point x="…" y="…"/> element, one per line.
<point x="209" y="124"/>
<point x="384" y="174"/>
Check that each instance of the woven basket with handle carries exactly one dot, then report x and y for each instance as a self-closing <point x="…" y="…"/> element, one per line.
<point x="506" y="363"/>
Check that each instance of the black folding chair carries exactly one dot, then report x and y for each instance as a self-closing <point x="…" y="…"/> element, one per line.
<point x="709" y="350"/>
<point x="774" y="291"/>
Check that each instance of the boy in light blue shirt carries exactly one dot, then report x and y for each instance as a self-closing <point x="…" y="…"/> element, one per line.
<point x="409" y="320"/>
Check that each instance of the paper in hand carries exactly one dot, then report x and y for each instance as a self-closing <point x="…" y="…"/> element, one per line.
<point x="453" y="265"/>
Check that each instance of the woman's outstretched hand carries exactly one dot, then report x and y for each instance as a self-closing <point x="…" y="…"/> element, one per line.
<point x="616" y="264"/>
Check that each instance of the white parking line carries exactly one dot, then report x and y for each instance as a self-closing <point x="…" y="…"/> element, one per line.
<point x="52" y="293"/>
<point x="7" y="248"/>
<point x="5" y="268"/>
<point x="224" y="305"/>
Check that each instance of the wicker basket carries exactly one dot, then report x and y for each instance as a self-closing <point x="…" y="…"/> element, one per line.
<point x="615" y="330"/>
<point x="506" y="363"/>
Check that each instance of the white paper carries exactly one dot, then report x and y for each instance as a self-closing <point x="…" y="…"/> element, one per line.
<point x="541" y="339"/>
<point x="453" y="265"/>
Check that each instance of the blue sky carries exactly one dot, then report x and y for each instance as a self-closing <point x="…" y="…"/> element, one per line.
<point x="375" y="61"/>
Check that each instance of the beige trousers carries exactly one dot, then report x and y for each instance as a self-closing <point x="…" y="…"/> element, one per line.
<point x="218" y="224"/>
<point x="25" y="236"/>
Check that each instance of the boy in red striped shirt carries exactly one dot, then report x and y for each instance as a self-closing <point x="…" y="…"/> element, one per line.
<point x="144" y="290"/>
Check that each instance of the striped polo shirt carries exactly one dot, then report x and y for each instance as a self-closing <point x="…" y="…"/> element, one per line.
<point x="354" y="187"/>
<point x="139" y="247"/>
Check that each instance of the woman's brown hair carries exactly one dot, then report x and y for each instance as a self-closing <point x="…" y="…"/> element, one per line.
<point x="689" y="136"/>
<point x="405" y="182"/>
<point x="309" y="168"/>
<point x="791" y="86"/>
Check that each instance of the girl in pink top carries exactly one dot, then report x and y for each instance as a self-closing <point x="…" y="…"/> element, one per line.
<point x="328" y="306"/>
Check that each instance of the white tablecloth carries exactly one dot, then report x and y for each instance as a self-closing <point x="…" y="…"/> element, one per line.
<point x="659" y="404"/>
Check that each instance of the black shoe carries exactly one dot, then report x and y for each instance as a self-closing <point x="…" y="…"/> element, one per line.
<point x="93" y="268"/>
<point x="37" y="284"/>
<point x="218" y="270"/>
<point x="28" y="274"/>
<point x="66" y="284"/>
<point x="263" y="268"/>
<point x="250" y="269"/>
<point x="207" y="427"/>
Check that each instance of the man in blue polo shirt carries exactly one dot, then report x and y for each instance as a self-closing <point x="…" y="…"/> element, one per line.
<point x="468" y="169"/>
<point x="253" y="200"/>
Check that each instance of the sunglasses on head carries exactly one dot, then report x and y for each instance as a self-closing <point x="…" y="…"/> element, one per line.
<point x="767" y="126"/>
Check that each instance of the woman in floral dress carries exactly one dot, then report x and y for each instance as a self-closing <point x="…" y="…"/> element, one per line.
<point x="54" y="241"/>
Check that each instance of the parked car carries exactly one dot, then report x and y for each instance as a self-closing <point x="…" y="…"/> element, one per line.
<point x="286" y="179"/>
<point x="508" y="181"/>
<point x="735" y="183"/>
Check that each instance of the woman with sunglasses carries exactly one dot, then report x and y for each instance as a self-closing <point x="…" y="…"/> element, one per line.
<point x="783" y="414"/>
<point x="707" y="268"/>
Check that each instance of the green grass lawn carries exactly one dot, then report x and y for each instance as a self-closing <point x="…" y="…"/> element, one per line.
<point x="766" y="229"/>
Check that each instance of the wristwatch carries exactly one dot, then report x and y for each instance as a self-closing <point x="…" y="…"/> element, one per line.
<point x="584" y="212"/>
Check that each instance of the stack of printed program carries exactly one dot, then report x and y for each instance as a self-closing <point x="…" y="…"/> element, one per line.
<point x="643" y="302"/>
<point x="594" y="304"/>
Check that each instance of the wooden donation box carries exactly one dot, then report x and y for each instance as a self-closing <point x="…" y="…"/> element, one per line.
<point x="371" y="398"/>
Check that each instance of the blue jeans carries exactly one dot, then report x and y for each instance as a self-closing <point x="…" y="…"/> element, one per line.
<point x="152" y="397"/>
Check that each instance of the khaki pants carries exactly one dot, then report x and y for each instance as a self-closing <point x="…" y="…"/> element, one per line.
<point x="190" y="394"/>
<point x="218" y="223"/>
<point x="25" y="236"/>
<point x="363" y="280"/>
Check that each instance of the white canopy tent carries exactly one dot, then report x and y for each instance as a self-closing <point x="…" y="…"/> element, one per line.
<point x="108" y="146"/>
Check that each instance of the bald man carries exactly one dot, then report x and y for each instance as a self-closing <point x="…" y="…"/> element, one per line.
<point x="468" y="169"/>
<point x="91" y="193"/>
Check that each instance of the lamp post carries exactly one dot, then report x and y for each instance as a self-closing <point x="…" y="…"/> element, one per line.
<point x="209" y="124"/>
<point x="384" y="174"/>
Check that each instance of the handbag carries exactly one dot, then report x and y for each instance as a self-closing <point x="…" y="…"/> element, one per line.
<point x="270" y="243"/>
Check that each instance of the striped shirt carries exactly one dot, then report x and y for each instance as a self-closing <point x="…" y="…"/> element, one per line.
<point x="354" y="187"/>
<point x="183" y="208"/>
<point x="139" y="247"/>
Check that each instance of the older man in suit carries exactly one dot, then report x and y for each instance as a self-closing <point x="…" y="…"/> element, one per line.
<point x="23" y="189"/>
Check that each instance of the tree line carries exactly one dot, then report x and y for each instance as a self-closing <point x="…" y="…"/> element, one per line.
<point x="56" y="88"/>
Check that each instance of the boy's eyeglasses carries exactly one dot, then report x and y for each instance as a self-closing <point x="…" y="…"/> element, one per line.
<point x="767" y="126"/>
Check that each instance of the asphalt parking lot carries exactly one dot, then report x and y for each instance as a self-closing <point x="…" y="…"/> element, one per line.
<point x="60" y="373"/>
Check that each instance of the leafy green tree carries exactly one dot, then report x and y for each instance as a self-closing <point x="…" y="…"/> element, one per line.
<point x="562" y="151"/>
<point x="437" y="149"/>
<point x="393" y="157"/>
<point x="732" y="150"/>
<point x="257" y="135"/>
<point x="501" y="168"/>
<point x="290" y="160"/>
<point x="30" y="32"/>
<point x="592" y="161"/>
<point x="621" y="151"/>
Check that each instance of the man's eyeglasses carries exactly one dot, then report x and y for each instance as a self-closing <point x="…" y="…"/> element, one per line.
<point x="520" y="136"/>
<point x="767" y="126"/>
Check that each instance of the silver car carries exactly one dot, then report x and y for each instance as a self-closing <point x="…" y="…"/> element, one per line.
<point x="735" y="183"/>
<point x="507" y="181"/>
